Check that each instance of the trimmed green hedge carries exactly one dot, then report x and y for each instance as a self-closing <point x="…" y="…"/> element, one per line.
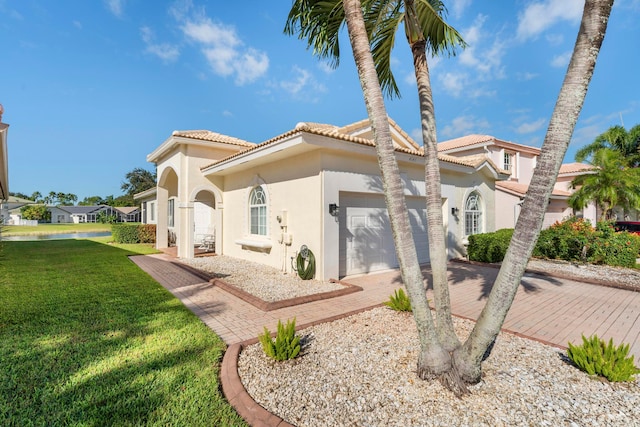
<point x="489" y="247"/>
<point x="133" y="233"/>
<point x="571" y="240"/>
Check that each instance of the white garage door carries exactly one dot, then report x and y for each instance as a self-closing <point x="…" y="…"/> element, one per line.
<point x="366" y="241"/>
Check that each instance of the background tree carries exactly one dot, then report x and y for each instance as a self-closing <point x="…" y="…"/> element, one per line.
<point x="36" y="196"/>
<point x="465" y="361"/>
<point x="138" y="180"/>
<point x="36" y="212"/>
<point x="91" y="201"/>
<point x="615" y="138"/>
<point x="612" y="183"/>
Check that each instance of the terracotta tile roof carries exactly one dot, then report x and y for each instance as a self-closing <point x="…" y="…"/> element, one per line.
<point x="464" y="141"/>
<point x="322" y="130"/>
<point x="206" y="135"/>
<point x="470" y="140"/>
<point x="472" y="161"/>
<point x="572" y="168"/>
<point x="521" y="189"/>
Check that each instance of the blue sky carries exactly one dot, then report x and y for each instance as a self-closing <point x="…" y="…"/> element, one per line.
<point x="91" y="87"/>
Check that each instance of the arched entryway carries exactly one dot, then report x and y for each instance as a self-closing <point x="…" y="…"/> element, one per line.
<point x="168" y="213"/>
<point x="204" y="221"/>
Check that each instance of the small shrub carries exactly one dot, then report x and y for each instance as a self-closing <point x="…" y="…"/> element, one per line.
<point x="147" y="233"/>
<point x="125" y="233"/>
<point x="399" y="301"/>
<point x="597" y="358"/>
<point x="133" y="233"/>
<point x="570" y="240"/>
<point x="489" y="247"/>
<point x="286" y="345"/>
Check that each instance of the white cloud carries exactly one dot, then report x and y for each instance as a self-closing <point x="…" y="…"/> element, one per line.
<point x="77" y="24"/>
<point x="227" y="113"/>
<point x="464" y="125"/>
<point x="539" y="16"/>
<point x="531" y="126"/>
<point x="252" y="65"/>
<point x="562" y="60"/>
<point x="326" y="67"/>
<point x="223" y="48"/>
<point x="526" y="76"/>
<point x="454" y="83"/>
<point x="116" y="7"/>
<point x="165" y="51"/>
<point x="208" y="32"/>
<point x="487" y="62"/>
<point x="416" y="134"/>
<point x="554" y="39"/>
<point x="410" y="79"/>
<point x="303" y="82"/>
<point x="459" y="6"/>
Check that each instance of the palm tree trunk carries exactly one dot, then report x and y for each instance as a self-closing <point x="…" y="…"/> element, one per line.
<point x="433" y="190"/>
<point x="570" y="101"/>
<point x="433" y="359"/>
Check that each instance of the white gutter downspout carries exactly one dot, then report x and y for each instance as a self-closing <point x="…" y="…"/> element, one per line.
<point x="516" y="211"/>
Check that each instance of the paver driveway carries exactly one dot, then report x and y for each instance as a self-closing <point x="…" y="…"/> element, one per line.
<point x="548" y="309"/>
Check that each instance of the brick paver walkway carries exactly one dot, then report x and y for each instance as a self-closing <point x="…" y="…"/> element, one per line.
<point x="545" y="308"/>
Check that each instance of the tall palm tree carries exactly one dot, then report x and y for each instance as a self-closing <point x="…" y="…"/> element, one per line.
<point x="613" y="183"/>
<point x="433" y="358"/>
<point x="570" y="100"/>
<point x="320" y="21"/>
<point x="616" y="138"/>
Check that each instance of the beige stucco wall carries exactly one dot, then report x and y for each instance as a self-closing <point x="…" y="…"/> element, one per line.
<point x="292" y="185"/>
<point x="462" y="186"/>
<point x="507" y="209"/>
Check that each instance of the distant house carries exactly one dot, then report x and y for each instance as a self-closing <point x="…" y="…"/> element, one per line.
<point x="82" y="214"/>
<point x="4" y="160"/>
<point x="10" y="210"/>
<point x="521" y="161"/>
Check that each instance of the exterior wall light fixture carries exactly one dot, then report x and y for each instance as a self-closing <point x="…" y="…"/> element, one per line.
<point x="334" y="210"/>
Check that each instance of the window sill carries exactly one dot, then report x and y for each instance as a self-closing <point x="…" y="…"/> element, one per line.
<point x="258" y="244"/>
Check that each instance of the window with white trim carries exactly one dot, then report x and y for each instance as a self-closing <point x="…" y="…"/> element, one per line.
<point x="508" y="161"/>
<point x="258" y="211"/>
<point x="472" y="214"/>
<point x="152" y="211"/>
<point x="170" y="213"/>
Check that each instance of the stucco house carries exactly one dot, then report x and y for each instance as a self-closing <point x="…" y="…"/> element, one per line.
<point x="520" y="160"/>
<point x="4" y="159"/>
<point x="148" y="205"/>
<point x="317" y="185"/>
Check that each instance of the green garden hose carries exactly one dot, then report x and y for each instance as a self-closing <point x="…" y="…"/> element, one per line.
<point x="309" y="271"/>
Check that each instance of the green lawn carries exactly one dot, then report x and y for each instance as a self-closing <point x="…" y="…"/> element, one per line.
<point x="17" y="230"/>
<point x="87" y="338"/>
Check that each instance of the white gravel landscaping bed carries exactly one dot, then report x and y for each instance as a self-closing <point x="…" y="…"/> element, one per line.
<point x="267" y="283"/>
<point x="360" y="371"/>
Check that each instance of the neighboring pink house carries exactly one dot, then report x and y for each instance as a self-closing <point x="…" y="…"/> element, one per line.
<point x="520" y="160"/>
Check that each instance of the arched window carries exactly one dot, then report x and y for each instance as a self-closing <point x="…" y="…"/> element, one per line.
<point x="472" y="214"/>
<point x="258" y="211"/>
